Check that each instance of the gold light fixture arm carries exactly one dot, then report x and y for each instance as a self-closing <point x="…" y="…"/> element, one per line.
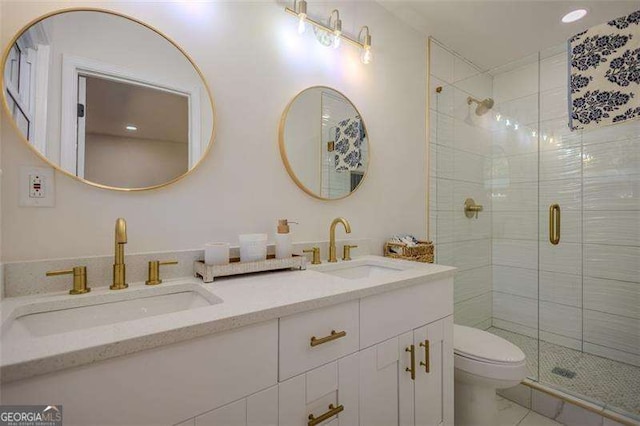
<point x="335" y="23"/>
<point x="367" y="36"/>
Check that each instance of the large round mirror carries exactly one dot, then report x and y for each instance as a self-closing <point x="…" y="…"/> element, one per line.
<point x="324" y="143"/>
<point x="107" y="99"/>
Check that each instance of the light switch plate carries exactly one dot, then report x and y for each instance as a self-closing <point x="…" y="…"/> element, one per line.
<point x="37" y="187"/>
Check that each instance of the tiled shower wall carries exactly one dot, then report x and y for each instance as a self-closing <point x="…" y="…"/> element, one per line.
<point x="460" y="155"/>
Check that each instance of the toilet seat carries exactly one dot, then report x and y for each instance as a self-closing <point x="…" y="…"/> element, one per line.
<point x="485" y="347"/>
<point x="501" y="372"/>
<point x="483" y="354"/>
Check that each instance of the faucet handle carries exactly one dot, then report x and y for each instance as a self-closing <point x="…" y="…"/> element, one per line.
<point x="316" y="255"/>
<point x="346" y="252"/>
<point x="79" y="278"/>
<point x="154" y="270"/>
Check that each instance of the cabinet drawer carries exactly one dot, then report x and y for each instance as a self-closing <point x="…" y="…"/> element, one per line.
<point x="310" y="339"/>
<point x="334" y="384"/>
<point x="389" y="314"/>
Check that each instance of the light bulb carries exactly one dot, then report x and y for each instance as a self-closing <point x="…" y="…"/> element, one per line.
<point x="302" y="24"/>
<point x="366" y="57"/>
<point x="336" y="39"/>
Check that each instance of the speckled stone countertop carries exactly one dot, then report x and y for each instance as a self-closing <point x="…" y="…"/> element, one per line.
<point x="245" y="300"/>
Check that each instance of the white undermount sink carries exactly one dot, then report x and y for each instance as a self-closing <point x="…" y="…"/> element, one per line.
<point x="359" y="268"/>
<point x="95" y="310"/>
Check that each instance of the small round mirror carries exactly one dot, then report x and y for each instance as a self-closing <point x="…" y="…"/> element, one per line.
<point x="324" y="143"/>
<point x="107" y="99"/>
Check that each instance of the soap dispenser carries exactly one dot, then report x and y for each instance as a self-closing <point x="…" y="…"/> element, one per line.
<point x="284" y="246"/>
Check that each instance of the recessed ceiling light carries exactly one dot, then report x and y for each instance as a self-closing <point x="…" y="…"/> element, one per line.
<point x="574" y="15"/>
<point x="131" y="128"/>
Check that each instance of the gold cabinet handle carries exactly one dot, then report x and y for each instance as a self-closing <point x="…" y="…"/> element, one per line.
<point x="316" y="255"/>
<point x="154" y="271"/>
<point x="79" y="279"/>
<point x="554" y="224"/>
<point x="427" y="362"/>
<point x="346" y="251"/>
<point x="333" y="336"/>
<point x="412" y="369"/>
<point x="333" y="411"/>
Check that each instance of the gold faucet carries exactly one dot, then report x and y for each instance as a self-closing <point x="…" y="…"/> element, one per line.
<point x="332" y="236"/>
<point x="119" y="267"/>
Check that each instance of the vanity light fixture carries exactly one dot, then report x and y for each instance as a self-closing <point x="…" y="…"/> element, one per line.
<point x="337" y="27"/>
<point x="334" y="27"/>
<point x="131" y="128"/>
<point x="300" y="9"/>
<point x="366" y="57"/>
<point x="574" y="15"/>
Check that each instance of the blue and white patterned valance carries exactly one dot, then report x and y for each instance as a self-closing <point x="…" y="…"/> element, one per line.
<point x="604" y="74"/>
<point x="348" y="144"/>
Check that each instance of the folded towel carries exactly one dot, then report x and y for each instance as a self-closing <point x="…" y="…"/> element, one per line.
<point x="604" y="74"/>
<point x="349" y="138"/>
<point x="407" y="239"/>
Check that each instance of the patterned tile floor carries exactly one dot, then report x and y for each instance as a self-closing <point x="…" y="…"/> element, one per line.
<point x="613" y="383"/>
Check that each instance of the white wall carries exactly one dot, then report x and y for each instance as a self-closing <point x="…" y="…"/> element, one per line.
<point x="255" y="63"/>
<point x="460" y="159"/>
<point x="132" y="162"/>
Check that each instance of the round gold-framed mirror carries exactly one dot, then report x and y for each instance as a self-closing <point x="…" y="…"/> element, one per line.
<point x="107" y="99"/>
<point x="324" y="143"/>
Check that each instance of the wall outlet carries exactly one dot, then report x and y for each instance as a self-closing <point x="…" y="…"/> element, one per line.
<point x="36" y="187"/>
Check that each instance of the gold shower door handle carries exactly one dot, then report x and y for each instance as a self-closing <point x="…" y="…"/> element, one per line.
<point x="554" y="224"/>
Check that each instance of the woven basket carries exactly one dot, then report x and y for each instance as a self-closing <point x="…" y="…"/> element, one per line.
<point x="423" y="252"/>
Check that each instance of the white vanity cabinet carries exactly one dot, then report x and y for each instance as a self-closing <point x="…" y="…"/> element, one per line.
<point x="389" y="388"/>
<point x="381" y="360"/>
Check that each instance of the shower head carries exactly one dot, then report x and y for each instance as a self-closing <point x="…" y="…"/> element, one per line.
<point x="483" y="106"/>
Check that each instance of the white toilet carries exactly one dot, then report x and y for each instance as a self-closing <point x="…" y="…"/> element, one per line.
<point x="483" y="363"/>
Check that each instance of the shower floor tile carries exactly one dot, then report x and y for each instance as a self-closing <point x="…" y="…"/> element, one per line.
<point x="613" y="383"/>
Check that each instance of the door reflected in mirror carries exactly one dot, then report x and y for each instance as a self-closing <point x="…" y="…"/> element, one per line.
<point x="324" y="143"/>
<point x="107" y="99"/>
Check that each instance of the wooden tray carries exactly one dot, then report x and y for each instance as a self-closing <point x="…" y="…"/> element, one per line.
<point x="235" y="267"/>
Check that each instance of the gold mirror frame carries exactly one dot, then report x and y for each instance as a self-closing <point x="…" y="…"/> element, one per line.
<point x="6" y="110"/>
<point x="283" y="150"/>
